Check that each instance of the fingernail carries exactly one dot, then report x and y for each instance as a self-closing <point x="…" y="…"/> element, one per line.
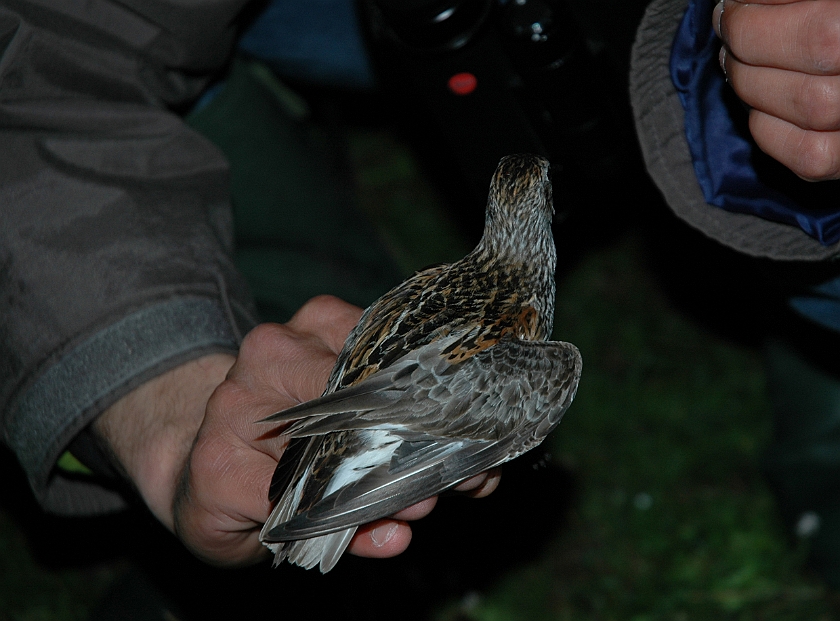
<point x="383" y="534"/>
<point x="717" y="16"/>
<point x="722" y="61"/>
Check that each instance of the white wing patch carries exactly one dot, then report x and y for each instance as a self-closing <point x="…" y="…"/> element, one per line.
<point x="380" y="449"/>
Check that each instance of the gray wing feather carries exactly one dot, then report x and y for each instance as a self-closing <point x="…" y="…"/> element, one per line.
<point x="481" y="398"/>
<point x="382" y="494"/>
<point x="456" y="421"/>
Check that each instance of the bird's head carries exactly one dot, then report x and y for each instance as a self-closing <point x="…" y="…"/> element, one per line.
<point x="519" y="206"/>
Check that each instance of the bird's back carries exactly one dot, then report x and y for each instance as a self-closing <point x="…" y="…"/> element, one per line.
<point x="481" y="301"/>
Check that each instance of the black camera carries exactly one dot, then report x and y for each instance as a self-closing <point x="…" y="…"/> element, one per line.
<point x="497" y="77"/>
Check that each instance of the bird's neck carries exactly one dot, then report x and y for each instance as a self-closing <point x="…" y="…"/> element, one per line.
<point x="528" y="257"/>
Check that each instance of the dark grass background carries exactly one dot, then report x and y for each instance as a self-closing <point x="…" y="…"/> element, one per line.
<point x="648" y="502"/>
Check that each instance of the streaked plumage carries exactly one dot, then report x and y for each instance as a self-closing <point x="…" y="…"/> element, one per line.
<point x="446" y="375"/>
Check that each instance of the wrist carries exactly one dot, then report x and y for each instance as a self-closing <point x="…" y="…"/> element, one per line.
<point x="150" y="431"/>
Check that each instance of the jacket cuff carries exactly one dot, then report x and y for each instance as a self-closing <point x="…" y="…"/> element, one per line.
<point x="96" y="373"/>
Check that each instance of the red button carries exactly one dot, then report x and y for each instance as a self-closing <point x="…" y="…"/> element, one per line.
<point x="462" y="83"/>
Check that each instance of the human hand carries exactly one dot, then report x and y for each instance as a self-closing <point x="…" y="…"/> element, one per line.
<point x="206" y="475"/>
<point x="782" y="57"/>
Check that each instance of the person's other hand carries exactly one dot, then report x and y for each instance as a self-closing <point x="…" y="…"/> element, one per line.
<point x="205" y="471"/>
<point x="782" y="57"/>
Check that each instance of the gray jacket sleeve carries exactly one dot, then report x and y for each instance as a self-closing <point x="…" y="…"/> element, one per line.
<point x="115" y="220"/>
<point x="660" y="127"/>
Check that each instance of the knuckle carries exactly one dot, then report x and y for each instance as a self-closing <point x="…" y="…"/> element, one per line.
<point x="818" y="157"/>
<point x="225" y="397"/>
<point x="325" y="306"/>
<point x="326" y="317"/>
<point x="325" y="300"/>
<point x="266" y="337"/>
<point x="268" y="332"/>
<point x="819" y="103"/>
<point x="822" y="44"/>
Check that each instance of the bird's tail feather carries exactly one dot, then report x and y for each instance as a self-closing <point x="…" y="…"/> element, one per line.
<point x="325" y="549"/>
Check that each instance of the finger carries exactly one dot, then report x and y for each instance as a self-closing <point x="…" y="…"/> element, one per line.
<point x="418" y="511"/>
<point x="328" y="317"/>
<point x="482" y="484"/>
<point x="814" y="156"/>
<point x="807" y="101"/>
<point x="720" y="6"/>
<point x="472" y="483"/>
<point x="797" y="36"/>
<point x="381" y="539"/>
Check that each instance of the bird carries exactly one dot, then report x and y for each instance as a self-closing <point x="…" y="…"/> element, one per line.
<point x="448" y="374"/>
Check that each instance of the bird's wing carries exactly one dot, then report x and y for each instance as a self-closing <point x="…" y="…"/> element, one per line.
<point x="456" y="420"/>
<point x="422" y="393"/>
